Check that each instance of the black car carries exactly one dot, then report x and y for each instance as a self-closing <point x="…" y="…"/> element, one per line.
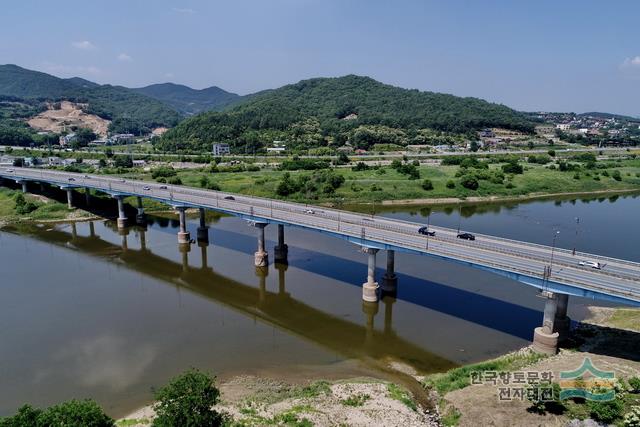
<point x="426" y="232"/>
<point x="466" y="236"/>
<point x="229" y="198"/>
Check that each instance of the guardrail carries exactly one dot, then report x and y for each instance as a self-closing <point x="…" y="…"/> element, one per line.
<point x="356" y="226"/>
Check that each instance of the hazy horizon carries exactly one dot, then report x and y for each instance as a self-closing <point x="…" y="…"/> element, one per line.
<point x="574" y="56"/>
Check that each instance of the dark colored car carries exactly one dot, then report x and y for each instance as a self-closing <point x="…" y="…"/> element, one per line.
<point x="229" y="198"/>
<point x="466" y="236"/>
<point x="426" y="232"/>
<point x="163" y="187"/>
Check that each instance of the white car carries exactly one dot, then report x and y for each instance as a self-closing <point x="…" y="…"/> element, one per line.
<point x="309" y="211"/>
<point x="592" y="264"/>
<point x="146" y="188"/>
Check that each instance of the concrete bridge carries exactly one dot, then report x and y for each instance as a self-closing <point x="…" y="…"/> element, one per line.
<point x="556" y="272"/>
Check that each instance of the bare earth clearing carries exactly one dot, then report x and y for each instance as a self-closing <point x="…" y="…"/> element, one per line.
<point x="609" y="347"/>
<point x="69" y="114"/>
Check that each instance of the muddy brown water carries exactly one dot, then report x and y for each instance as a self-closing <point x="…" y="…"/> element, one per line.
<point x="87" y="311"/>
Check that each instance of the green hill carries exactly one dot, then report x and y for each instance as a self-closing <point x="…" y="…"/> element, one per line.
<point x="189" y="101"/>
<point x="129" y="110"/>
<point x="323" y="111"/>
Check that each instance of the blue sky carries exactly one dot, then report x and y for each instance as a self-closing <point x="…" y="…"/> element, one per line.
<point x="569" y="55"/>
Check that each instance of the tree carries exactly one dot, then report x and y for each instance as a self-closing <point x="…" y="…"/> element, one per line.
<point x="474" y="146"/>
<point x="427" y="185"/>
<point x="83" y="137"/>
<point x="74" y="413"/>
<point x="187" y="401"/>
<point x="470" y="182"/>
<point x="123" y="162"/>
<point x="512" y="167"/>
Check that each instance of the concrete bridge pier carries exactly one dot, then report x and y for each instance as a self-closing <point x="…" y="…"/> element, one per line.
<point x="92" y="229"/>
<point x="562" y="323"/>
<point x="281" y="250"/>
<point x="140" y="217"/>
<point x="203" y="230"/>
<point x="183" y="235"/>
<point x="42" y="188"/>
<point x="370" y="287"/>
<point x="87" y="196"/>
<point x="69" y="198"/>
<point x="390" y="280"/>
<point x="122" y="217"/>
<point x="261" y="257"/>
<point x="24" y="185"/>
<point x="545" y="340"/>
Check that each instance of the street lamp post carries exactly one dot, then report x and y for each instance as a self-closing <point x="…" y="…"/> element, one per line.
<point x="553" y="248"/>
<point x="575" y="243"/>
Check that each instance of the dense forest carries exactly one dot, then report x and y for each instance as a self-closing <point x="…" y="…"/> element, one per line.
<point x="110" y="102"/>
<point x="331" y="111"/>
<point x="189" y="101"/>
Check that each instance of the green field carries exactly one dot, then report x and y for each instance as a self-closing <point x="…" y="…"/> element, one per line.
<point x="385" y="183"/>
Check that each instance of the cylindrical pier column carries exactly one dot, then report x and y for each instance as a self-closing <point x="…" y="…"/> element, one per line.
<point x="87" y="197"/>
<point x="24" y="186"/>
<point x="140" y="217"/>
<point x="69" y="198"/>
<point x="203" y="230"/>
<point x="281" y="250"/>
<point x="544" y="339"/>
<point x="370" y="287"/>
<point x="183" y="235"/>
<point x="562" y="322"/>
<point x="390" y="280"/>
<point x="261" y="257"/>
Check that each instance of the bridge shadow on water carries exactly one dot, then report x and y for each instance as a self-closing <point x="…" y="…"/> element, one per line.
<point x="502" y="316"/>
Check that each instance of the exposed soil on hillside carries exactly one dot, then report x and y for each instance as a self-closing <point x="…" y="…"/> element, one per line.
<point x="69" y="114"/>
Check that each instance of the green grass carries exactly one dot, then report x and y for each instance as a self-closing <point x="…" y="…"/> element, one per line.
<point x="49" y="211"/>
<point x="401" y="395"/>
<point x="356" y="400"/>
<point x="131" y="422"/>
<point x="459" y="378"/>
<point x="392" y="185"/>
<point x="625" y="318"/>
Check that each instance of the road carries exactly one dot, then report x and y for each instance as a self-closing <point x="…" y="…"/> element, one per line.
<point x="619" y="280"/>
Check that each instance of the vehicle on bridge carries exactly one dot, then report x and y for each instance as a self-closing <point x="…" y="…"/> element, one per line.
<point x="592" y="264"/>
<point x="466" y="236"/>
<point x="426" y="231"/>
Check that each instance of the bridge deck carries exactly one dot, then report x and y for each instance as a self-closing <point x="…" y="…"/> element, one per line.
<point x="618" y="281"/>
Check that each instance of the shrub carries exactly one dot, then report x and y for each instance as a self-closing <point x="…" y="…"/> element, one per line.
<point x="71" y="413"/>
<point x="616" y="175"/>
<point x="360" y="166"/>
<point x="634" y="384"/>
<point x="163" y="171"/>
<point x="605" y="173"/>
<point x="188" y="400"/>
<point x="470" y="182"/>
<point x="174" y="180"/>
<point x="427" y="185"/>
<point x="632" y="418"/>
<point x="551" y="153"/>
<point x="22" y="206"/>
<point x="451" y="184"/>
<point x="607" y="411"/>
<point x="512" y="167"/>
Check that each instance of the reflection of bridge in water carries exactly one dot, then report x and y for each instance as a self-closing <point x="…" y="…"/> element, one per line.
<point x="275" y="308"/>
<point x="556" y="272"/>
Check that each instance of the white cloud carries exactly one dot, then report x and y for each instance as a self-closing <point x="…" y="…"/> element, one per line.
<point x="83" y="45"/>
<point x="185" y="11"/>
<point x="124" y="57"/>
<point x="632" y="62"/>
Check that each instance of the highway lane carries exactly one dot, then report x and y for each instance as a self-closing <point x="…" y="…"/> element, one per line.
<point x="618" y="277"/>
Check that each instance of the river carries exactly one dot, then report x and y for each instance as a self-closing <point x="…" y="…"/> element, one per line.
<point x="87" y="311"/>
